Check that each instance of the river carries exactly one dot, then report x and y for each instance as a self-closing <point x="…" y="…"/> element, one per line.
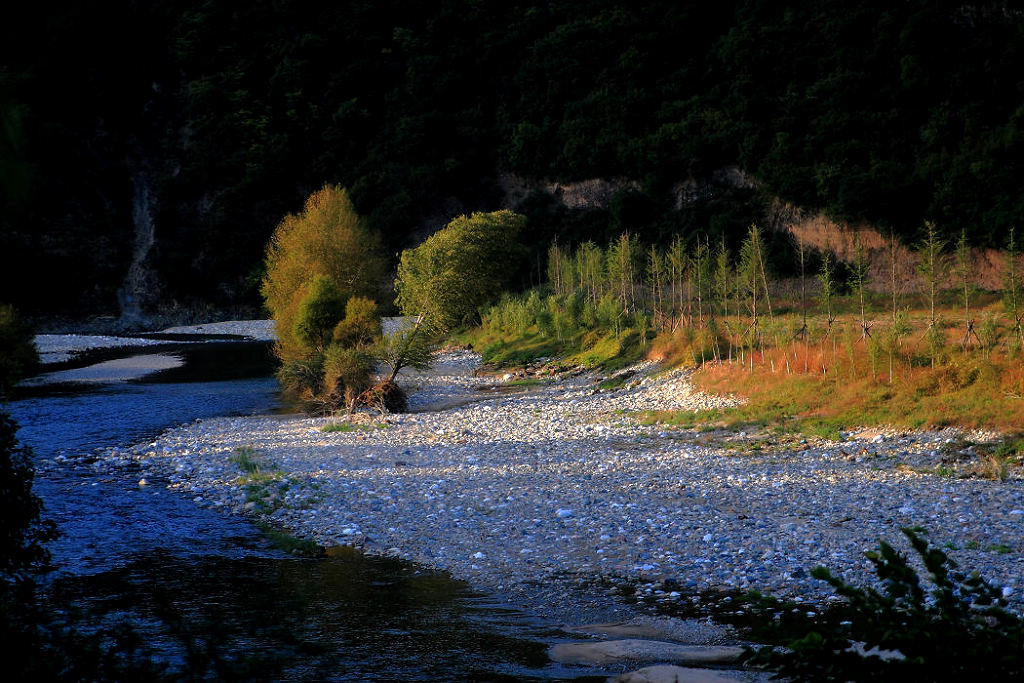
<point x="180" y="573"/>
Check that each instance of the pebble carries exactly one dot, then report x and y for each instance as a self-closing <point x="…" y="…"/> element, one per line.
<point x="635" y="504"/>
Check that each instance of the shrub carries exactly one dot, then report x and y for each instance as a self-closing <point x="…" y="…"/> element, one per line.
<point x="302" y="378"/>
<point x="459" y="269"/>
<point x="18" y="357"/>
<point x="361" y="325"/>
<point x="22" y="549"/>
<point x="956" y="628"/>
<point x="318" y="312"/>
<point x="410" y="346"/>
<point x="348" y="372"/>
<point x="546" y="324"/>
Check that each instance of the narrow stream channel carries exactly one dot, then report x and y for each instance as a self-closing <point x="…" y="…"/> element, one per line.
<point x="177" y="571"/>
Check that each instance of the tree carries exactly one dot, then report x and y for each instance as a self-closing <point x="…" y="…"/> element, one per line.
<point x="361" y="325"/>
<point x="964" y="271"/>
<point x="328" y="250"/>
<point x="753" y="275"/>
<point x="929" y="267"/>
<point x="701" y="272"/>
<point x="459" y="269"/>
<point x="1012" y="299"/>
<point x="656" y="267"/>
<point x="723" y="277"/>
<point x="560" y="270"/>
<point x="859" y="275"/>
<point x="623" y="262"/>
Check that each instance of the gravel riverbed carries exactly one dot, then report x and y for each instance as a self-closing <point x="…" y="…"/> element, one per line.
<point x="534" y="490"/>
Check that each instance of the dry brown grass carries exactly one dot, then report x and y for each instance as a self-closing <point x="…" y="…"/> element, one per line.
<point x="841" y="380"/>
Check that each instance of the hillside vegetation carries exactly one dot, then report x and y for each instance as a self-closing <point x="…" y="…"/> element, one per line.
<point x="175" y="147"/>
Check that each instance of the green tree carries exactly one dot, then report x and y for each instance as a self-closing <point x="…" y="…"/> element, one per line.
<point x="656" y="269"/>
<point x="753" y="276"/>
<point x="701" y="264"/>
<point x="723" y="277"/>
<point x="678" y="265"/>
<point x="348" y="372"/>
<point x="623" y="264"/>
<point x="560" y="270"/>
<point x="964" y="271"/>
<point x="459" y="269"/>
<point x="589" y="267"/>
<point x="827" y="278"/>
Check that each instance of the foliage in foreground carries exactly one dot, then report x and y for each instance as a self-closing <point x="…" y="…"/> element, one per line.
<point x="18" y="356"/>
<point x="24" y="532"/>
<point x="949" y="627"/>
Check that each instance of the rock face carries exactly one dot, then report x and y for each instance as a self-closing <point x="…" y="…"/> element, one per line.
<point x="667" y="673"/>
<point x="593" y="193"/>
<point x="613" y="651"/>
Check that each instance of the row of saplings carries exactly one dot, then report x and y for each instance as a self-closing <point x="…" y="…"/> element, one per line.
<point x="324" y="272"/>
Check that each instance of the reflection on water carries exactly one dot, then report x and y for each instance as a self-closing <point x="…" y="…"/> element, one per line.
<point x="344" y="618"/>
<point x="180" y="571"/>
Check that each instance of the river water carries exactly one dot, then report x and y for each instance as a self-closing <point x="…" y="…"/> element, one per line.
<point x="180" y="573"/>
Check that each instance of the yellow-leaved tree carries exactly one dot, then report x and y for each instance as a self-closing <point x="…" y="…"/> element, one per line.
<point x="320" y="263"/>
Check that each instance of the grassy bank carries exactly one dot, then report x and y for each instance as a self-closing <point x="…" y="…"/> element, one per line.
<point x="805" y="375"/>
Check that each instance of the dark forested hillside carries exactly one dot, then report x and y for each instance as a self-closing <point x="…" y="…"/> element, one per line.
<point x="151" y="147"/>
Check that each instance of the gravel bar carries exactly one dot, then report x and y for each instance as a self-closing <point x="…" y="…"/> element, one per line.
<point x="57" y="348"/>
<point x="535" y="491"/>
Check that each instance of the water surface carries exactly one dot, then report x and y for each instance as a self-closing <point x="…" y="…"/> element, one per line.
<point x="183" y="573"/>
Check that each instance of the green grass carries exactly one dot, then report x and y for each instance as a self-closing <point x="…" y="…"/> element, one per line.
<point x="289" y="543"/>
<point x="612" y="383"/>
<point x="245" y="458"/>
<point x="504" y="353"/>
<point x="590" y="349"/>
<point x="338" y="427"/>
<point x="349" y="427"/>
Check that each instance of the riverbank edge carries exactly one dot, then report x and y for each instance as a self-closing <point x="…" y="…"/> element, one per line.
<point x="310" y="531"/>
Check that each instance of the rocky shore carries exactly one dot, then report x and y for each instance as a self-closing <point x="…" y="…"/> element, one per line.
<point x="534" y="488"/>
